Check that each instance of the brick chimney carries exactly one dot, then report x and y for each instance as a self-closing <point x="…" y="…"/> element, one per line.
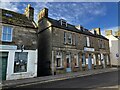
<point x="29" y="12"/>
<point x="108" y="32"/>
<point x="97" y="31"/>
<point x="43" y="13"/>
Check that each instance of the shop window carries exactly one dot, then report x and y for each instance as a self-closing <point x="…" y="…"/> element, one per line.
<point x="76" y="60"/>
<point x="99" y="58"/>
<point x="83" y="60"/>
<point x="20" y="63"/>
<point x="59" y="60"/>
<point x="107" y="59"/>
<point x="6" y="34"/>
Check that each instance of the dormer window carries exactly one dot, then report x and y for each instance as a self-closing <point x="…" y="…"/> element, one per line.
<point x="63" y="22"/>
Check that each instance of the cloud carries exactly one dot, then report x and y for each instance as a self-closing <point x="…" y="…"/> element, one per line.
<point x="73" y="12"/>
<point x="9" y="6"/>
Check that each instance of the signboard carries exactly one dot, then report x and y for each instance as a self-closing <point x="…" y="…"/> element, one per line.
<point x="8" y="47"/>
<point x="68" y="69"/>
<point x="89" y="49"/>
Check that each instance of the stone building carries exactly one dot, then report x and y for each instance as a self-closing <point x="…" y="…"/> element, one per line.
<point x="63" y="47"/>
<point x="18" y="43"/>
<point x="114" y="43"/>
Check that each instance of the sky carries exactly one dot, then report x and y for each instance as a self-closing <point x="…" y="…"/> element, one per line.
<point x="88" y="14"/>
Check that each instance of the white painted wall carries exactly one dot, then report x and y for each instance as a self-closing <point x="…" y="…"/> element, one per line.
<point x="114" y="44"/>
<point x="31" y="65"/>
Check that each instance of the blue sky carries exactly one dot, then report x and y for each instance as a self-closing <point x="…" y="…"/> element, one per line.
<point x="88" y="14"/>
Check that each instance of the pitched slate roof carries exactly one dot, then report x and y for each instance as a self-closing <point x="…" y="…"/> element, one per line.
<point x="56" y="23"/>
<point x="13" y="18"/>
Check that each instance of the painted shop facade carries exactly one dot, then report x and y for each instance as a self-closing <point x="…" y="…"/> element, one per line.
<point x="68" y="48"/>
<point x="18" y="54"/>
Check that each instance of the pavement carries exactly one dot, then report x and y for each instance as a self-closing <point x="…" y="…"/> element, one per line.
<point x="31" y="81"/>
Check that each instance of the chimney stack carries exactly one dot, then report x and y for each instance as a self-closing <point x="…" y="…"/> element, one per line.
<point x="43" y="13"/>
<point x="79" y="27"/>
<point x="29" y="12"/>
<point x="108" y="32"/>
<point x="117" y="33"/>
<point x="97" y="31"/>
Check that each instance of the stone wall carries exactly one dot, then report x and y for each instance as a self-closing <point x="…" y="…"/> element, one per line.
<point x="22" y="36"/>
<point x="58" y="40"/>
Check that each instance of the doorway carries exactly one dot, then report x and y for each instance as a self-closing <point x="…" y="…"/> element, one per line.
<point x="68" y="62"/>
<point x="3" y="65"/>
<point x="90" y="62"/>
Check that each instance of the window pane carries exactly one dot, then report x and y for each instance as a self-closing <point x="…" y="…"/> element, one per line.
<point x="4" y="29"/>
<point x="7" y="33"/>
<point x="9" y="29"/>
<point x="4" y="37"/>
<point x="58" y="62"/>
<point x="9" y="37"/>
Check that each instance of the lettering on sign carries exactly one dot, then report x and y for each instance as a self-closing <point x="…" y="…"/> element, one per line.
<point x="89" y="49"/>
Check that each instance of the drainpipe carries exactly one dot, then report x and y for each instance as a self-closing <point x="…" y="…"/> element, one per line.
<point x="52" y="62"/>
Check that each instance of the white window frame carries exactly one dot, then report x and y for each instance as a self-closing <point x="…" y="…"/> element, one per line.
<point x="59" y="55"/>
<point x="88" y="41"/>
<point x="70" y="36"/>
<point x="77" y="61"/>
<point x="7" y="33"/>
<point x="64" y="37"/>
<point x="18" y="63"/>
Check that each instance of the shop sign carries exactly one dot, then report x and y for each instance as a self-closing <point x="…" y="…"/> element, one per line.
<point x="89" y="49"/>
<point x="8" y="47"/>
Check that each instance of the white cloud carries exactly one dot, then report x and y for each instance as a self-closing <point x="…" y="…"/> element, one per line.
<point x="9" y="6"/>
<point x="74" y="13"/>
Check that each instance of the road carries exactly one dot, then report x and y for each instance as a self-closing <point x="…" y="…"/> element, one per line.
<point x="108" y="79"/>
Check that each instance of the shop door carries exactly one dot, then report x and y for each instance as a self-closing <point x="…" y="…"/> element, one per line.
<point x="68" y="69"/>
<point x="89" y="62"/>
<point x="3" y="65"/>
